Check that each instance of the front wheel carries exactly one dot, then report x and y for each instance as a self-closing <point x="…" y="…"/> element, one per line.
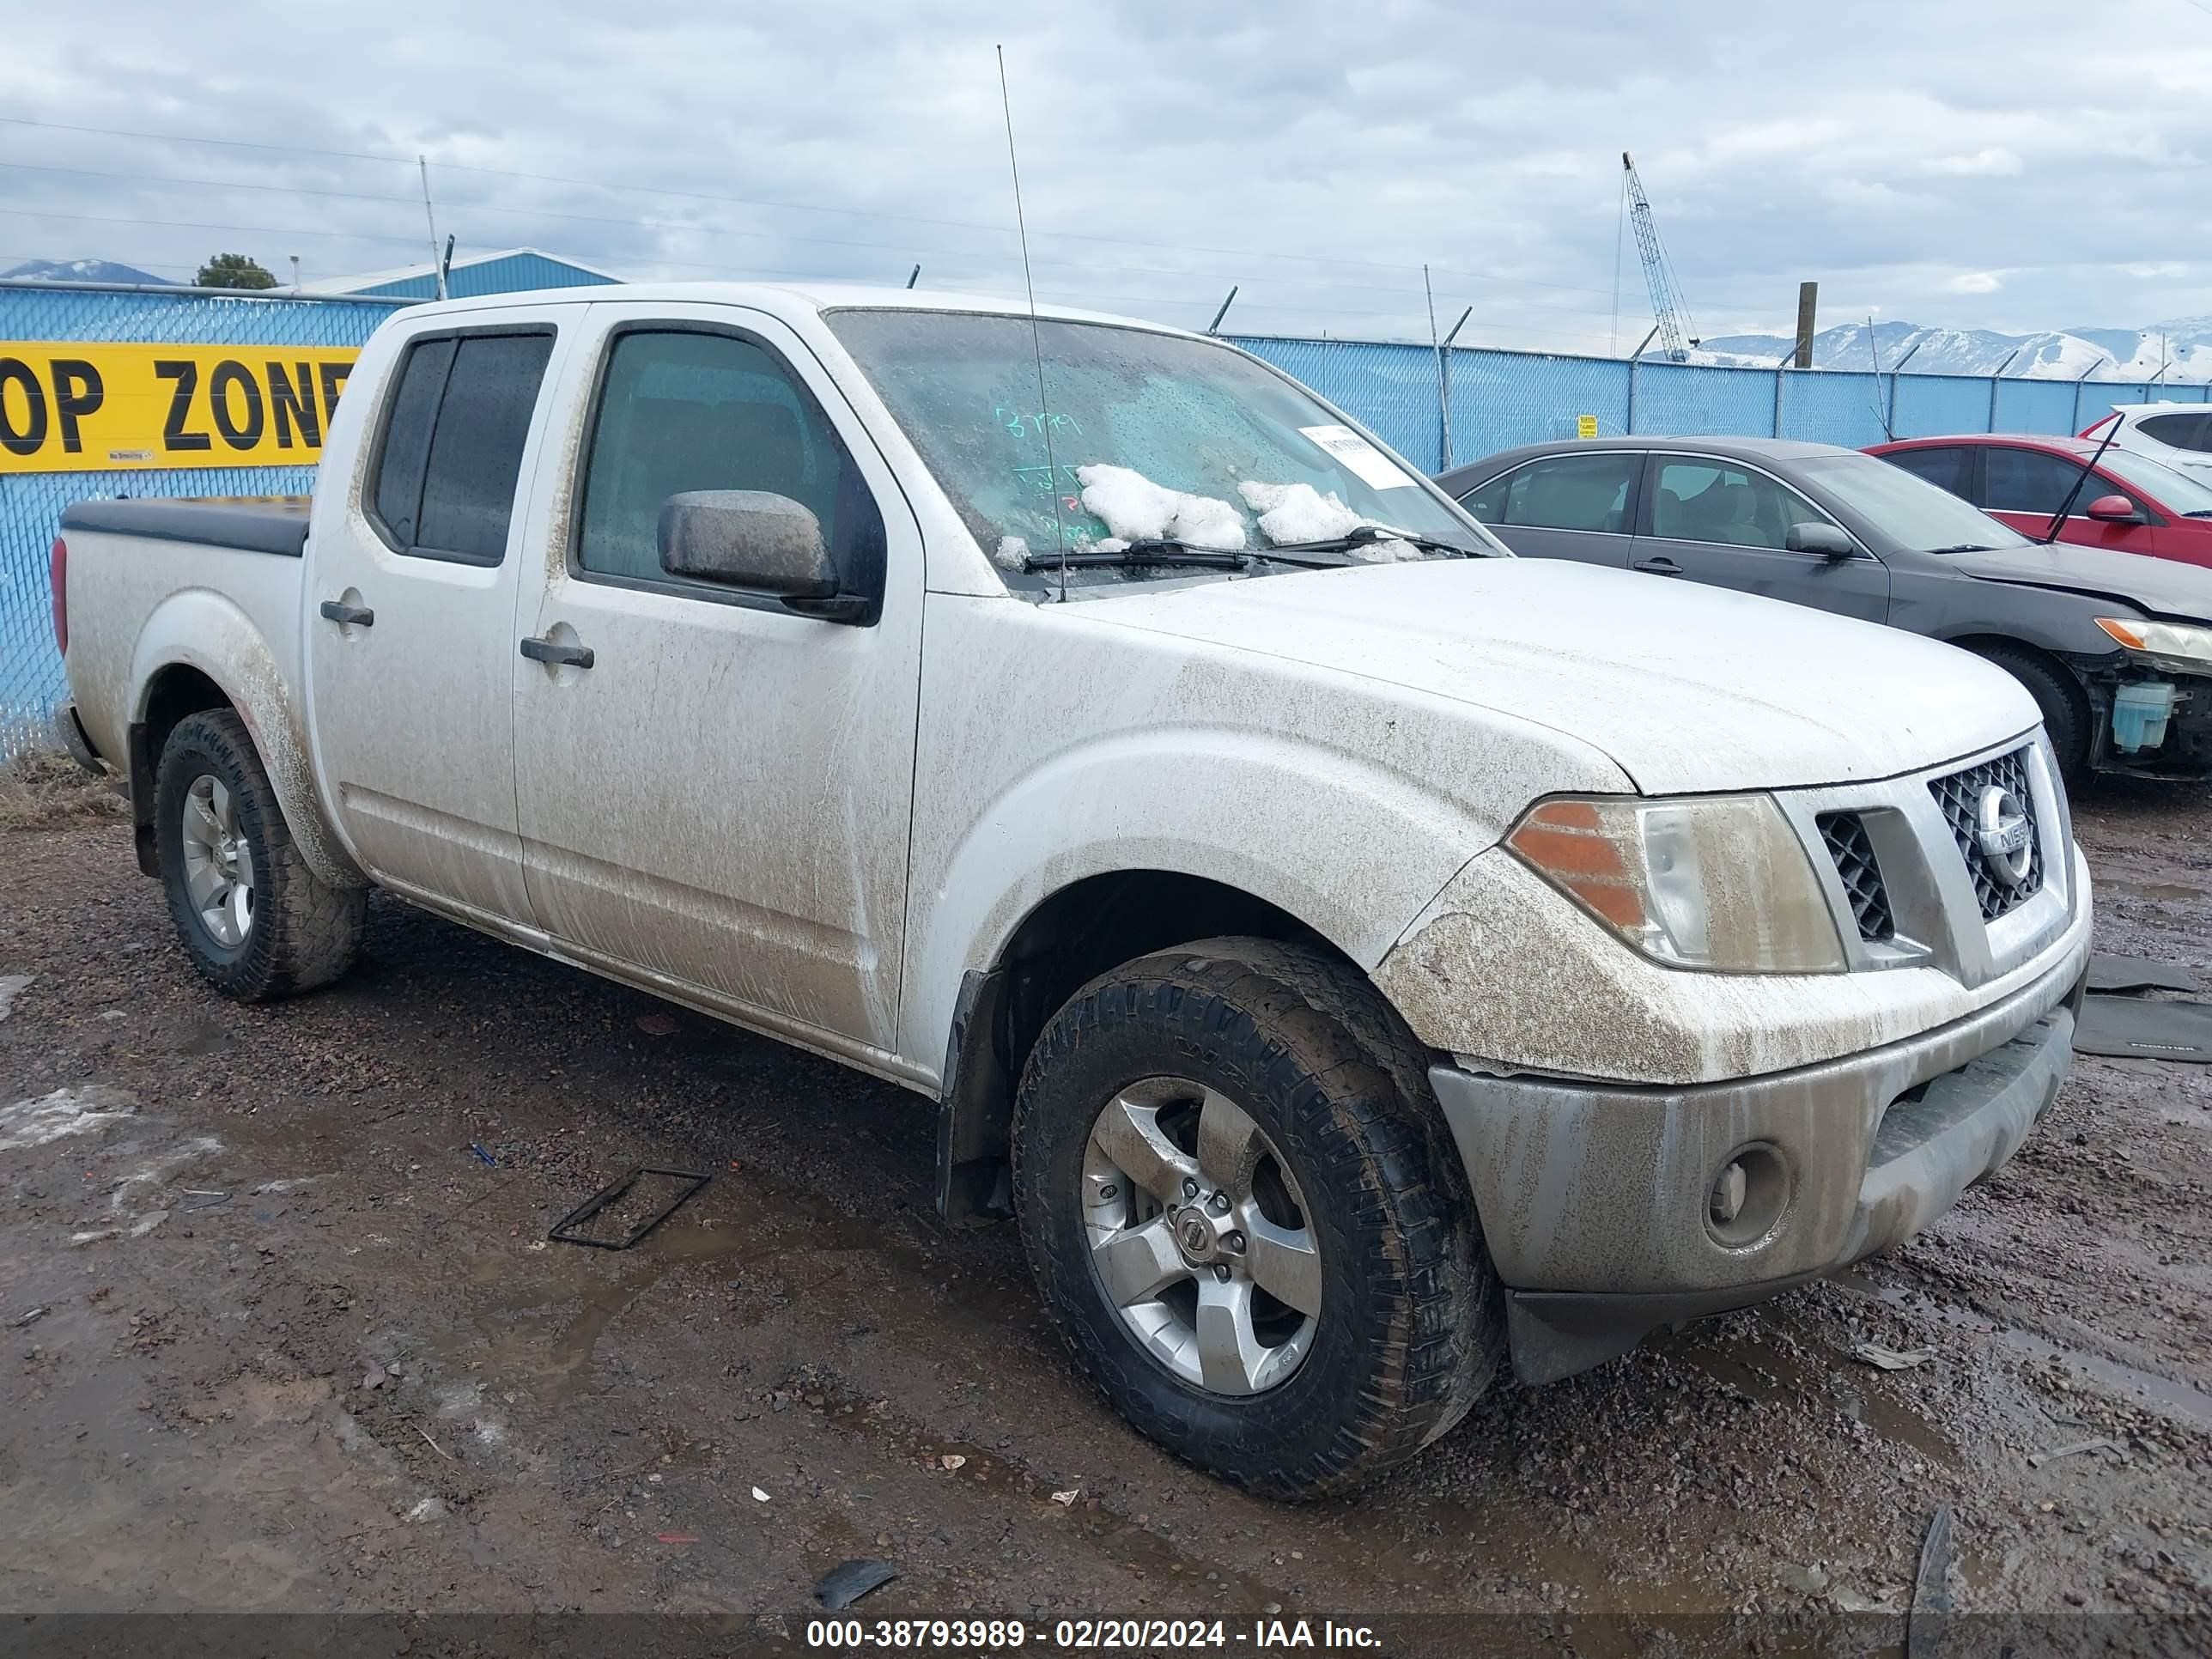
<point x="257" y="922"/>
<point x="1245" y="1212"/>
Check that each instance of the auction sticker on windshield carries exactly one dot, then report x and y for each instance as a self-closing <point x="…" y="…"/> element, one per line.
<point x="1365" y="462"/>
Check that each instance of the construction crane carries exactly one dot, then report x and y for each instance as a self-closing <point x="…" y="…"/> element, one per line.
<point x="1670" y="317"/>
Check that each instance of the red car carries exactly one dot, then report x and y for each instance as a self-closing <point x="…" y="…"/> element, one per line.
<point x="2131" y="504"/>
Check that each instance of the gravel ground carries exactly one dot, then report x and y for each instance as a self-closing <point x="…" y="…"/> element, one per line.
<point x="304" y="1345"/>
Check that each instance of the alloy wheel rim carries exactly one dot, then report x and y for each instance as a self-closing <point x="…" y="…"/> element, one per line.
<point x="1199" y="1238"/>
<point x="218" y="863"/>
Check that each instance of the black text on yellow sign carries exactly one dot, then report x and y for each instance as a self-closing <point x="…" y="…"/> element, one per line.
<point x="79" y="406"/>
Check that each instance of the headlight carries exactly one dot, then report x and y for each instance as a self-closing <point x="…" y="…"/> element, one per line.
<point x="2175" y="642"/>
<point x="1720" y="883"/>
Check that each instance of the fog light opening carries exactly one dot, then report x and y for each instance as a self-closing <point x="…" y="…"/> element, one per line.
<point x="1749" y="1192"/>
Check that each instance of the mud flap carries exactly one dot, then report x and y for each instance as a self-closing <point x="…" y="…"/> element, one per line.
<point x="975" y="1114"/>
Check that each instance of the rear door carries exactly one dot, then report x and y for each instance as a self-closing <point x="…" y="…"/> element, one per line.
<point x="2023" y="488"/>
<point x="410" y="615"/>
<point x="1725" y="522"/>
<point x="720" y="800"/>
<point x="1579" y="505"/>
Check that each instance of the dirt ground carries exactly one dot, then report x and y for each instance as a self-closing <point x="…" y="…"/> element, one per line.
<point x="300" y="1343"/>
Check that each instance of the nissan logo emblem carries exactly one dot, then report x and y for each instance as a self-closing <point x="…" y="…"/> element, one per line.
<point x="2001" y="831"/>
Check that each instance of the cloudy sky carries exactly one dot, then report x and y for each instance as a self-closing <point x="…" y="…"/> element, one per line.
<point x="1975" y="163"/>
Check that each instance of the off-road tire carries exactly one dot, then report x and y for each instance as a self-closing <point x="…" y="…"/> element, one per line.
<point x="1412" y="1324"/>
<point x="304" y="933"/>
<point x="2065" y="710"/>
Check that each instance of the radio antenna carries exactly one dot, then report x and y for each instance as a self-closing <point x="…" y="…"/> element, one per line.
<point x="1036" y="342"/>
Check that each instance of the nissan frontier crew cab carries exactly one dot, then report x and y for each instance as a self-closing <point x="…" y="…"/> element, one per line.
<point x="1354" y="955"/>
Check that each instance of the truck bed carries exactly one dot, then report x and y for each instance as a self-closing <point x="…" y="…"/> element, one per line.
<point x="251" y="524"/>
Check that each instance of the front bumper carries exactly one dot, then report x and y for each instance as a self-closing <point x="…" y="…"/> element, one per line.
<point x="1595" y="1199"/>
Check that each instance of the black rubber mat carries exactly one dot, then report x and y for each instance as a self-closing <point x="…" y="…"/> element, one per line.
<point x="2128" y="1029"/>
<point x="2140" y="973"/>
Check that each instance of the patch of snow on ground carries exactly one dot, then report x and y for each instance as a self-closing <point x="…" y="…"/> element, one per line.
<point x="11" y="986"/>
<point x="1012" y="553"/>
<point x="64" y="1112"/>
<point x="1137" y="509"/>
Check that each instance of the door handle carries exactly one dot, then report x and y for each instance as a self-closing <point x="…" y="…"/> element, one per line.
<point x="560" y="656"/>
<point x="347" y="616"/>
<point x="1659" y="565"/>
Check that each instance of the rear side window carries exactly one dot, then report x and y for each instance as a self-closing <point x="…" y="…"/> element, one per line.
<point x="2183" y="431"/>
<point x="2031" y="481"/>
<point x="453" y="445"/>
<point x="1946" y="469"/>
<point x="1565" y="492"/>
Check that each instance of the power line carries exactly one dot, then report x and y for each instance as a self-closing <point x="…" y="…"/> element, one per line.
<point x="805" y="206"/>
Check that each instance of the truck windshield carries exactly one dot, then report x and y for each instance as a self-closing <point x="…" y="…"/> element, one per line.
<point x="1154" y="439"/>
<point x="1908" y="510"/>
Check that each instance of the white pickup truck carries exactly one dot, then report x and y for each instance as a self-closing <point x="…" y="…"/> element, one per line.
<point x="1351" y="952"/>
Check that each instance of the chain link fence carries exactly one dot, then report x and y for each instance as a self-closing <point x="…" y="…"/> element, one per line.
<point x="31" y="503"/>
<point x="1502" y="399"/>
<point x="1498" y="399"/>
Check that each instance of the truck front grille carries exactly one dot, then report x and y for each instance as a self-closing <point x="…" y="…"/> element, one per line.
<point x="1958" y="797"/>
<point x="1853" y="853"/>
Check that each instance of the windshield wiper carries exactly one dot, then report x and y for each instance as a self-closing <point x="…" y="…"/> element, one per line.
<point x="1368" y="534"/>
<point x="1965" y="547"/>
<point x="1156" y="550"/>
<point x="2201" y="512"/>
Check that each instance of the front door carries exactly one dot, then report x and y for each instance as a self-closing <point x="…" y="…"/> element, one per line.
<point x="721" y="799"/>
<point x="2024" y="488"/>
<point x="410" y="614"/>
<point x="1716" y="520"/>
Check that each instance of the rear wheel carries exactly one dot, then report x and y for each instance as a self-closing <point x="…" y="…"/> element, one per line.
<point x="1244" y="1210"/>
<point x="2065" y="710"/>
<point x="257" y="922"/>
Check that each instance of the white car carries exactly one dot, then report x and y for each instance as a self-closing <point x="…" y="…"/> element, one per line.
<point x="1352" y="953"/>
<point x="2179" y="435"/>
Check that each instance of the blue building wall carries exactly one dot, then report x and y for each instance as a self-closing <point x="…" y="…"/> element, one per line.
<point x="516" y="273"/>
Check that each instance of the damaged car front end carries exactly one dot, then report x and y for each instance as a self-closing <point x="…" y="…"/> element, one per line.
<point x="1784" y="1032"/>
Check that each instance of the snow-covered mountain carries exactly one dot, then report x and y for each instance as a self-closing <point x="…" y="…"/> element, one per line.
<point x="82" y="271"/>
<point x="2182" y="345"/>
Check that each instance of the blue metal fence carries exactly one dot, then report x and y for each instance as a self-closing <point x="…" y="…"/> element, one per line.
<point x="1499" y="399"/>
<point x="31" y="503"/>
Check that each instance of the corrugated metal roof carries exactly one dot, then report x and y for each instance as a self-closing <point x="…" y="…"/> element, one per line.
<point x="511" y="271"/>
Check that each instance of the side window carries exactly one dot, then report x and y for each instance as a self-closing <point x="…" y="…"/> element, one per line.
<point x="2185" y="430"/>
<point x="1487" y="500"/>
<point x="1947" y="468"/>
<point x="453" y="445"/>
<point x="686" y="409"/>
<point x="1714" y="502"/>
<point x="2031" y="481"/>
<point x="1574" y="492"/>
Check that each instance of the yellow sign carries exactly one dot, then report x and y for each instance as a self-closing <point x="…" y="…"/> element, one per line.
<point x="84" y="406"/>
<point x="1586" y="426"/>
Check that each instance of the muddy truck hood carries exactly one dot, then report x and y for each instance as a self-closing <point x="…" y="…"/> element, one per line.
<point x="1685" y="688"/>
<point x="2160" y="588"/>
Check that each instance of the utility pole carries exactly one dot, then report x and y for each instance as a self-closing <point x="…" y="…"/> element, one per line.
<point x="1808" y="294"/>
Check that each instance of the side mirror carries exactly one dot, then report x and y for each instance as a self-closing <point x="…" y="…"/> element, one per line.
<point x="747" y="538"/>
<point x="1828" y="540"/>
<point x="2113" y="509"/>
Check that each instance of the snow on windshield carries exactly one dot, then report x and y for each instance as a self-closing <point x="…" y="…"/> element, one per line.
<point x="1299" y="513"/>
<point x="1136" y="509"/>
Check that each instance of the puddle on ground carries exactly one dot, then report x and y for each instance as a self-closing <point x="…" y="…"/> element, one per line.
<point x="2164" y="891"/>
<point x="1771" y="1376"/>
<point x="2163" y="1396"/>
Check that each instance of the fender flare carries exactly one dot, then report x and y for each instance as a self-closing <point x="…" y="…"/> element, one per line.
<point x="200" y="629"/>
